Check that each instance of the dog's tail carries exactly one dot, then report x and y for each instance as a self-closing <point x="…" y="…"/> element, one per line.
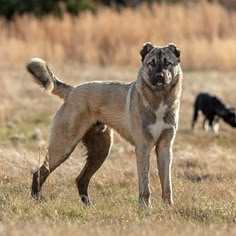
<point x="195" y="111"/>
<point x="43" y="76"/>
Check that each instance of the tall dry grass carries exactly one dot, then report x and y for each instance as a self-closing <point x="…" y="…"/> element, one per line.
<point x="206" y="34"/>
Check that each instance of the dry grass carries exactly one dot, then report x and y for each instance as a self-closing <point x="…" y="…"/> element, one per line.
<point x="203" y="170"/>
<point x="206" y="34"/>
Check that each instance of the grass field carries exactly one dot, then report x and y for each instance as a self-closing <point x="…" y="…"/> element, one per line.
<point x="204" y="166"/>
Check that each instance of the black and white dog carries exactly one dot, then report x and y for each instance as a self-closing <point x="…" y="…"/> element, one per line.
<point x="213" y="109"/>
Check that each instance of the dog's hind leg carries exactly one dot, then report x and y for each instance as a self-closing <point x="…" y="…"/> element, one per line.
<point x="39" y="178"/>
<point x="195" y="114"/>
<point x="55" y="156"/>
<point x="64" y="137"/>
<point x="98" y="142"/>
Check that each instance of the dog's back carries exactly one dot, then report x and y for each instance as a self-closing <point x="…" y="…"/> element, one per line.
<point x="209" y="105"/>
<point x="212" y="108"/>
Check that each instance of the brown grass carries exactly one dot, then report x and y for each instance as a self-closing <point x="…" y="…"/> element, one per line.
<point x="204" y="168"/>
<point x="206" y="34"/>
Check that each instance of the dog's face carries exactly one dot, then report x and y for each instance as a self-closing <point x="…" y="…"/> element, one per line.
<point x="230" y="117"/>
<point x="160" y="66"/>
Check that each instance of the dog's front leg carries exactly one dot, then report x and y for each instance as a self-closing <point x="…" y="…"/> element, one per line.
<point x="204" y="123"/>
<point x="164" y="161"/>
<point x="143" y="156"/>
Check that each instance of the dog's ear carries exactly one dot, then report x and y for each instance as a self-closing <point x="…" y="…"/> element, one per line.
<point x="175" y="50"/>
<point x="147" y="47"/>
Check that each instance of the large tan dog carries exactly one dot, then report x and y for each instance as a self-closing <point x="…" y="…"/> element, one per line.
<point x="144" y="112"/>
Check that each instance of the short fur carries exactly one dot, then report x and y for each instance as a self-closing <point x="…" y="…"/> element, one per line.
<point x="213" y="110"/>
<point x="145" y="112"/>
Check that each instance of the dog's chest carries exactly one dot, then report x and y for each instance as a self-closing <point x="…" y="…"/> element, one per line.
<point x="156" y="128"/>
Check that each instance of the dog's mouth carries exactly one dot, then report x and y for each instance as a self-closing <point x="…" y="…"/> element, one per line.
<point x="160" y="82"/>
<point x="161" y="79"/>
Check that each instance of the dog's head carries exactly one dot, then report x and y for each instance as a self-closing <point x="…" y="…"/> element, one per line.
<point x="160" y="65"/>
<point x="229" y="116"/>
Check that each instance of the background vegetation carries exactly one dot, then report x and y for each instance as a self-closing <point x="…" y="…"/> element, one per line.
<point x="10" y="9"/>
<point x="206" y="38"/>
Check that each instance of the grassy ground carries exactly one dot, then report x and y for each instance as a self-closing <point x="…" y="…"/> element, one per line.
<point x="204" y="167"/>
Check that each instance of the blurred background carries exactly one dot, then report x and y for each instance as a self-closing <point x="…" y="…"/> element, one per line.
<point x="110" y="32"/>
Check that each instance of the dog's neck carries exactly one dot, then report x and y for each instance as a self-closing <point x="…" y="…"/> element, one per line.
<point x="152" y="98"/>
<point x="149" y="98"/>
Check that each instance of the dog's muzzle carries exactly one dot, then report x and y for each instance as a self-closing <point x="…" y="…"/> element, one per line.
<point x="161" y="78"/>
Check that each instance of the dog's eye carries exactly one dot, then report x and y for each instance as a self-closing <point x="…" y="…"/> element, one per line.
<point x="168" y="65"/>
<point x="151" y="63"/>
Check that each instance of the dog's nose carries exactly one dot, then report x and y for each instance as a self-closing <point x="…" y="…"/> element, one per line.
<point x="160" y="77"/>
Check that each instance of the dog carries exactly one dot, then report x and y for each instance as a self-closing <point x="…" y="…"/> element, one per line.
<point x="145" y="112"/>
<point x="213" y="110"/>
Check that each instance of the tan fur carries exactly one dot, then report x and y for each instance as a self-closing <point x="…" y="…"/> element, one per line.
<point x="144" y="112"/>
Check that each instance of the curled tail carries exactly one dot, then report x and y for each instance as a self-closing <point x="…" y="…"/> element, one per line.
<point x="43" y="76"/>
